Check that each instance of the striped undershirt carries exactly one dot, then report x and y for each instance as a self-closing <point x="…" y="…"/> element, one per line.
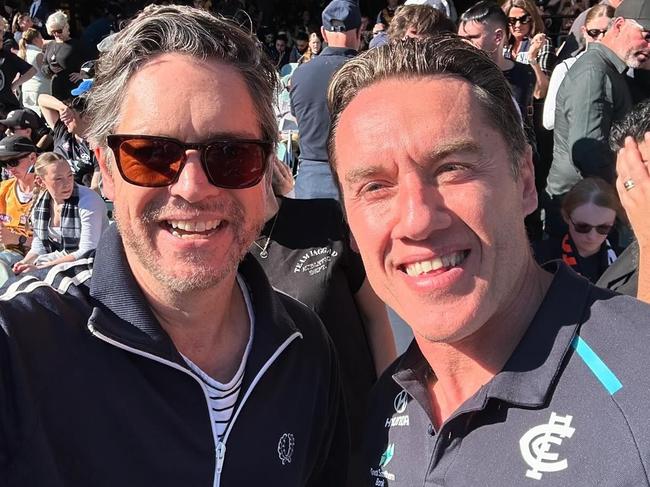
<point x="223" y="396"/>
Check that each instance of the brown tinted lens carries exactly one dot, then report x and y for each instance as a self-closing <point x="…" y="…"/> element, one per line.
<point x="235" y="165"/>
<point x="150" y="162"/>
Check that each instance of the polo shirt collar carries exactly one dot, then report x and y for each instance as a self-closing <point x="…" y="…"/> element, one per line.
<point x="608" y="54"/>
<point x="529" y="374"/>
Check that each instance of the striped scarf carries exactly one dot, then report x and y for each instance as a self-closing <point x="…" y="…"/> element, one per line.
<point x="569" y="254"/>
<point x="70" y="222"/>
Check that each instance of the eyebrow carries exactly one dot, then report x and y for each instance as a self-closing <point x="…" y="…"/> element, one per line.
<point x="434" y="156"/>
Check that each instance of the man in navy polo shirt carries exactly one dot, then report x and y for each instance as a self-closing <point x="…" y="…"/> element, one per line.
<point x="341" y="31"/>
<point x="516" y="376"/>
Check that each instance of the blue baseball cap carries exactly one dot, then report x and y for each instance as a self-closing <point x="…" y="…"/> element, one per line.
<point x="341" y="16"/>
<point x="84" y="87"/>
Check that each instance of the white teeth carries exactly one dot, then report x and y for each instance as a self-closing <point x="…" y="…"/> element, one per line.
<point x="193" y="226"/>
<point x="445" y="261"/>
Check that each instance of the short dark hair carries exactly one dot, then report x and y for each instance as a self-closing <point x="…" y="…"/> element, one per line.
<point x="485" y="11"/>
<point x="635" y="124"/>
<point x="282" y="37"/>
<point x="301" y="36"/>
<point x="440" y="55"/>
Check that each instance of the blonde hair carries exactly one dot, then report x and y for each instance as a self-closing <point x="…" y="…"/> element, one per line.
<point x="58" y="20"/>
<point x="27" y="38"/>
<point x="45" y="160"/>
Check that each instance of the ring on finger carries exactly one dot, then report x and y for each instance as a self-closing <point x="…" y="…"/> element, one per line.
<point x="628" y="184"/>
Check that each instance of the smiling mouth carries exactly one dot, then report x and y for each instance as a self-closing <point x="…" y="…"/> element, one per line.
<point x="437" y="265"/>
<point x="193" y="228"/>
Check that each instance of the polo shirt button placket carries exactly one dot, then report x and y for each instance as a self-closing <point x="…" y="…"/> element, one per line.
<point x="431" y="430"/>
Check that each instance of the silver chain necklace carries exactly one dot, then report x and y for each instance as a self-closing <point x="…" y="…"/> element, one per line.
<point x="263" y="253"/>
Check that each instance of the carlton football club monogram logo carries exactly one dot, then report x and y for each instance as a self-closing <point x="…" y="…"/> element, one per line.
<point x="285" y="448"/>
<point x="537" y="442"/>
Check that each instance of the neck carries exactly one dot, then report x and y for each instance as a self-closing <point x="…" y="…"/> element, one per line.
<point x="210" y="327"/>
<point x="500" y="60"/>
<point x="461" y="368"/>
<point x="26" y="182"/>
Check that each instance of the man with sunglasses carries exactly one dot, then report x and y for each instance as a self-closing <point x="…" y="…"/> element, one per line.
<point x="593" y="94"/>
<point x="165" y="357"/>
<point x="17" y="156"/>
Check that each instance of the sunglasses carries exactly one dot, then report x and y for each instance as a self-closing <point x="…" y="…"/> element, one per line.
<point x="524" y="19"/>
<point x="153" y="162"/>
<point x="595" y="33"/>
<point x="56" y="31"/>
<point x="586" y="228"/>
<point x="11" y="162"/>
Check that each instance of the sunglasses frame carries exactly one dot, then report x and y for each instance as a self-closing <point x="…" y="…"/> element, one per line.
<point x="599" y="32"/>
<point x="523" y="20"/>
<point x="56" y="31"/>
<point x="114" y="141"/>
<point x="580" y="227"/>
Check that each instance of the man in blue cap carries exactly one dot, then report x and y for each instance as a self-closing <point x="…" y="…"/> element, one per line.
<point x="341" y="31"/>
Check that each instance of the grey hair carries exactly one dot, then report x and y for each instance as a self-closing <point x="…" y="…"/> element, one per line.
<point x="57" y="20"/>
<point x="185" y="30"/>
<point x="441" y="55"/>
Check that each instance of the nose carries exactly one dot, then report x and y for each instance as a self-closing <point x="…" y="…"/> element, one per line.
<point x="192" y="184"/>
<point x="421" y="209"/>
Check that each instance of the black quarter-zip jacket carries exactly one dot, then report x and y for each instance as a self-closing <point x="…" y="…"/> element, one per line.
<point x="94" y="393"/>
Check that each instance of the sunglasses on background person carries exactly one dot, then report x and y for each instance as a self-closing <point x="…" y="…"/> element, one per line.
<point x="523" y="20"/>
<point x="56" y="31"/>
<point x="586" y="228"/>
<point x="595" y="33"/>
<point x="153" y="162"/>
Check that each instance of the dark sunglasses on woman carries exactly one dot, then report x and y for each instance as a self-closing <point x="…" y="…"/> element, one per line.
<point x="151" y="161"/>
<point x="524" y="19"/>
<point x="594" y="33"/>
<point x="586" y="228"/>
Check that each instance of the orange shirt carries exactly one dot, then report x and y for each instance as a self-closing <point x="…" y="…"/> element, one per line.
<point x="14" y="215"/>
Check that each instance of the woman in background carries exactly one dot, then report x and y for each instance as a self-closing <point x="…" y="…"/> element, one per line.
<point x="67" y="219"/>
<point x="313" y="48"/>
<point x="590" y="210"/>
<point x="31" y="50"/>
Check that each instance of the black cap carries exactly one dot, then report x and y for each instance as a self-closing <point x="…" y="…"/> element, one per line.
<point x="15" y="146"/>
<point x="341" y="16"/>
<point x="24" y="118"/>
<point x="638" y="10"/>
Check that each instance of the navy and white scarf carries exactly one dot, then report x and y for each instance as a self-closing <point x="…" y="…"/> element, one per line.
<point x="70" y="222"/>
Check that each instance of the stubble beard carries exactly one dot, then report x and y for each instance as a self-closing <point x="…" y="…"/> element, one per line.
<point x="138" y="239"/>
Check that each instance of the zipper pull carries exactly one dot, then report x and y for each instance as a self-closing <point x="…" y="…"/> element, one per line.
<point x="221" y="455"/>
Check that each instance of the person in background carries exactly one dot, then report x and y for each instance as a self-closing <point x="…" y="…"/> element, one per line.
<point x="6" y="37"/>
<point x="418" y="21"/>
<point x="314" y="262"/>
<point x="69" y="126"/>
<point x="67" y="219"/>
<point x="280" y="53"/>
<point x="63" y="57"/>
<point x="379" y="35"/>
<point x="630" y="139"/>
<point x="27" y="123"/>
<point x="15" y="72"/>
<point x="20" y="23"/>
<point x="340" y="30"/>
<point x="592" y="96"/>
<point x="447" y="7"/>
<point x="300" y="46"/>
<point x="314" y="48"/>
<point x="17" y="156"/>
<point x="385" y="15"/>
<point x="590" y="210"/>
<point x="39" y="11"/>
<point x="31" y="50"/>
<point x="527" y="42"/>
<point x="593" y="30"/>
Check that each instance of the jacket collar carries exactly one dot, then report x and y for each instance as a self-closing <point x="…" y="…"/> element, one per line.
<point x="122" y="312"/>
<point x="338" y="51"/>
<point x="609" y="55"/>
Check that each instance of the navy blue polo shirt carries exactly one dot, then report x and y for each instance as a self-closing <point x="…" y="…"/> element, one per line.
<point x="309" y="100"/>
<point x="571" y="407"/>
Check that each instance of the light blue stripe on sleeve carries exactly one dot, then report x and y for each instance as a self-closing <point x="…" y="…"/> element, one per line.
<point x="603" y="373"/>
